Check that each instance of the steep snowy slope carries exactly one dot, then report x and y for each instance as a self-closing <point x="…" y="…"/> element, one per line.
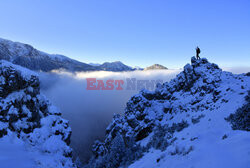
<point x="29" y="57"/>
<point x="200" y="119"/>
<point x="32" y="132"/>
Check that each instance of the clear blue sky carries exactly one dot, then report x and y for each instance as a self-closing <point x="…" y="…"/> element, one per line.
<point x="136" y="32"/>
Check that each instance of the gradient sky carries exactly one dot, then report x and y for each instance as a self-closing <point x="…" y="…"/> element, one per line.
<point x="136" y="32"/>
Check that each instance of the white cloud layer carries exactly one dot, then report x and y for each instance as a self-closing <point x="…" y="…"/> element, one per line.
<point x="88" y="111"/>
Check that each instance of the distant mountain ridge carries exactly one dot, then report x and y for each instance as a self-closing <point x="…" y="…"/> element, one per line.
<point x="31" y="58"/>
<point x="156" y="67"/>
<point x="115" y="66"/>
<point x="27" y="56"/>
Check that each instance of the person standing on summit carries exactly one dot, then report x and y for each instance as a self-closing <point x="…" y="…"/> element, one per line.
<point x="198" y="52"/>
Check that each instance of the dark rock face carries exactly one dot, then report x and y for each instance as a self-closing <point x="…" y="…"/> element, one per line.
<point x="12" y="81"/>
<point x="240" y="120"/>
<point x="27" y="113"/>
<point x="14" y="108"/>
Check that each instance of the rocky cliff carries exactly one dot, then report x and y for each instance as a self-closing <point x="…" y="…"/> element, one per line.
<point x="30" y="126"/>
<point x="198" y="119"/>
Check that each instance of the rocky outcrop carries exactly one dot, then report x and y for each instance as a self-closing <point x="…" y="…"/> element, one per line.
<point x="27" y="114"/>
<point x="241" y="119"/>
<point x="199" y="96"/>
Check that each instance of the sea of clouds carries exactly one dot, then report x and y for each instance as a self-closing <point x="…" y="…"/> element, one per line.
<point x="90" y="111"/>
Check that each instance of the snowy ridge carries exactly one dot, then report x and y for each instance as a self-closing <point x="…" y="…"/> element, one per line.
<point x="31" y="58"/>
<point x="116" y="66"/>
<point x="200" y="119"/>
<point x="32" y="131"/>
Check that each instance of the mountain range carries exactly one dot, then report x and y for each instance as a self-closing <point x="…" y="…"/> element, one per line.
<point x="31" y="58"/>
<point x="32" y="131"/>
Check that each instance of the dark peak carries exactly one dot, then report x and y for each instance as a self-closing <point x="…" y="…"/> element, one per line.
<point x="202" y="65"/>
<point x="197" y="76"/>
<point x="202" y="62"/>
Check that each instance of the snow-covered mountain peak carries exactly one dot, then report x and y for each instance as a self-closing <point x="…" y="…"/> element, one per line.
<point x="183" y="123"/>
<point x="115" y="66"/>
<point x="156" y="67"/>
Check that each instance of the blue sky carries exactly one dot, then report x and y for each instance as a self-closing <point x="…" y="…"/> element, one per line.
<point x="136" y="32"/>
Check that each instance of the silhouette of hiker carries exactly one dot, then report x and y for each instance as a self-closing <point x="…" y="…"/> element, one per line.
<point x="198" y="52"/>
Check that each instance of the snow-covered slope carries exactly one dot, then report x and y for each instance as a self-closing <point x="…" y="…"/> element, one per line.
<point x="29" y="57"/>
<point x="32" y="132"/>
<point x="200" y="119"/>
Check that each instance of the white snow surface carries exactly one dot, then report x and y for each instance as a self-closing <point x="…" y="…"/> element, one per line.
<point x="182" y="124"/>
<point x="15" y="153"/>
<point x="26" y="73"/>
<point x="32" y="132"/>
<point x="202" y="145"/>
<point x="20" y="49"/>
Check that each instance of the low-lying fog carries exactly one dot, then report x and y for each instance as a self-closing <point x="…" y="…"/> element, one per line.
<point x="90" y="111"/>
